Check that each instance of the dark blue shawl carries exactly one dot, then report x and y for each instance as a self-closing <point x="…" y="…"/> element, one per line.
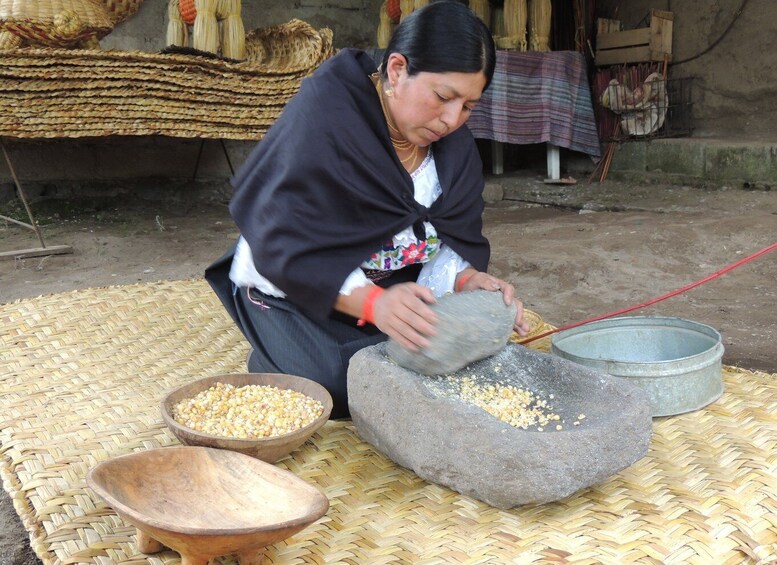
<point x="324" y="188"/>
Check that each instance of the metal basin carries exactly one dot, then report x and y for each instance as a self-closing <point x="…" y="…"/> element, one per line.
<point x="677" y="362"/>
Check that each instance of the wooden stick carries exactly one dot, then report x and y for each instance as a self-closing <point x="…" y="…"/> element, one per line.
<point x="33" y="223"/>
<point x="36" y="252"/>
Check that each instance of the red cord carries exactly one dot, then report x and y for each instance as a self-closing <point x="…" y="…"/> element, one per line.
<point x="719" y="273"/>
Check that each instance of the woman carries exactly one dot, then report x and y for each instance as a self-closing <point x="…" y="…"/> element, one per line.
<point x="363" y="203"/>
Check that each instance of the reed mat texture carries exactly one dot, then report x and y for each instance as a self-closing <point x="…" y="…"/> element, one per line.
<point x="73" y="93"/>
<point x="82" y="375"/>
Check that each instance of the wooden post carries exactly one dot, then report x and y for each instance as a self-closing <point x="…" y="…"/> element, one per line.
<point x="33" y="225"/>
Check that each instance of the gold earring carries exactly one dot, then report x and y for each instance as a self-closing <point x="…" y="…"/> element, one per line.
<point x="389" y="92"/>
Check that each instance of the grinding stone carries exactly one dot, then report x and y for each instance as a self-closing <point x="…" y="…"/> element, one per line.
<point x="471" y="326"/>
<point x="448" y="441"/>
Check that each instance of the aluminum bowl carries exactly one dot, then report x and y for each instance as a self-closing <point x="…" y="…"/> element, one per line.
<point x="677" y="362"/>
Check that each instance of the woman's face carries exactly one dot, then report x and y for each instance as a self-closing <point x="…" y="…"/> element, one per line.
<point x="428" y="106"/>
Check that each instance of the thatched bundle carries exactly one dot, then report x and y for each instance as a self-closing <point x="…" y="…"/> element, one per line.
<point x="539" y="24"/>
<point x="515" y="14"/>
<point x="217" y="26"/>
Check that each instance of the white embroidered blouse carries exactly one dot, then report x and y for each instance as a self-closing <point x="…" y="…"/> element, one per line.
<point x="440" y="263"/>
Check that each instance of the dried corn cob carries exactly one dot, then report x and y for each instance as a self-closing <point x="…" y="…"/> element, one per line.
<point x="177" y="32"/>
<point x="233" y="34"/>
<point x="205" y="35"/>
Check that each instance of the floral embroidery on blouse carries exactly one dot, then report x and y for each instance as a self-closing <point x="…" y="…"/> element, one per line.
<point x="393" y="255"/>
<point x="414" y="253"/>
<point x="404" y="248"/>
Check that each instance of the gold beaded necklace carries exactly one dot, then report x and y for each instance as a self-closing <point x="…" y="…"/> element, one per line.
<point x="399" y="144"/>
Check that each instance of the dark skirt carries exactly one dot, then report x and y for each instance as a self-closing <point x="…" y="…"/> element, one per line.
<point x="284" y="340"/>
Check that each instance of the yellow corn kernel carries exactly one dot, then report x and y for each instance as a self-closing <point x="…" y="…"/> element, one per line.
<point x="508" y="403"/>
<point x="247" y="412"/>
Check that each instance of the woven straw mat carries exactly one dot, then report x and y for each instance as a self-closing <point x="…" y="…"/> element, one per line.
<point x="293" y="45"/>
<point x="83" y="373"/>
<point x="60" y="93"/>
<point x="55" y="23"/>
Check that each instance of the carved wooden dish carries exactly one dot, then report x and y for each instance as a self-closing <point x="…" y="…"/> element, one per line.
<point x="204" y="502"/>
<point x="268" y="449"/>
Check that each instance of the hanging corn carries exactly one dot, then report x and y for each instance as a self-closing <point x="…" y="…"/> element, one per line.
<point x="233" y="34"/>
<point x="393" y="10"/>
<point x="483" y="10"/>
<point x="205" y="35"/>
<point x="384" y="28"/>
<point x="187" y="10"/>
<point x="406" y="7"/>
<point x="177" y="32"/>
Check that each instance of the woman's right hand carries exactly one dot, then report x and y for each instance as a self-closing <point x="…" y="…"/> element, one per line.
<point x="402" y="312"/>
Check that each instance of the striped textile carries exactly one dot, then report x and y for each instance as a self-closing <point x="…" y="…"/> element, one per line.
<point x="538" y="98"/>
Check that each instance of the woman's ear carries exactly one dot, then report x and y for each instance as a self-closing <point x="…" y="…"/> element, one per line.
<point x="395" y="67"/>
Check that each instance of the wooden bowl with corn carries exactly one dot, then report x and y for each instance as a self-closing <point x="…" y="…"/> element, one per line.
<point x="264" y="415"/>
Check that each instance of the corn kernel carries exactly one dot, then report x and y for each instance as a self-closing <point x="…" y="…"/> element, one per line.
<point x="508" y="403"/>
<point x="247" y="412"/>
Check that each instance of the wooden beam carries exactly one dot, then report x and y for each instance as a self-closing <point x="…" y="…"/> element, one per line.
<point x="623" y="38"/>
<point x="36" y="252"/>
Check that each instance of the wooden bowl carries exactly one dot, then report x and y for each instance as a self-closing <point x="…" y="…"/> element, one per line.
<point x="204" y="502"/>
<point x="267" y="449"/>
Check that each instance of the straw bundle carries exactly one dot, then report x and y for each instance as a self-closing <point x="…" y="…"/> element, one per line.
<point x="498" y="21"/>
<point x="406" y="8"/>
<point x="483" y="10"/>
<point x="217" y="26"/>
<point x="420" y="4"/>
<point x="233" y="34"/>
<point x="177" y="31"/>
<point x="55" y="23"/>
<point x="385" y="28"/>
<point x="539" y="23"/>
<point x="205" y="35"/>
<point x="515" y="25"/>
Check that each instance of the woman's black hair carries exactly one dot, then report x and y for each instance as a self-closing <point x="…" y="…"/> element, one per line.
<point x="444" y="36"/>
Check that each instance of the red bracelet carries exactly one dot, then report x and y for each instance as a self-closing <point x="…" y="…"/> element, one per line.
<point x="369" y="305"/>
<point x="462" y="281"/>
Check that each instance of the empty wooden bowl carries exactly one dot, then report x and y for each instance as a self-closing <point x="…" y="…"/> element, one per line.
<point x="268" y="449"/>
<point x="205" y="503"/>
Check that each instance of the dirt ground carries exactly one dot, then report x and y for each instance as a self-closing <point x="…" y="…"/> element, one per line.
<point x="573" y="252"/>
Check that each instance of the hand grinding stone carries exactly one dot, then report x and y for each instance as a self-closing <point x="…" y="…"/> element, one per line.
<point x="471" y="326"/>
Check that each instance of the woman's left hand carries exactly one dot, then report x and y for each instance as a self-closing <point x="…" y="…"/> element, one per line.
<point x="480" y="280"/>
